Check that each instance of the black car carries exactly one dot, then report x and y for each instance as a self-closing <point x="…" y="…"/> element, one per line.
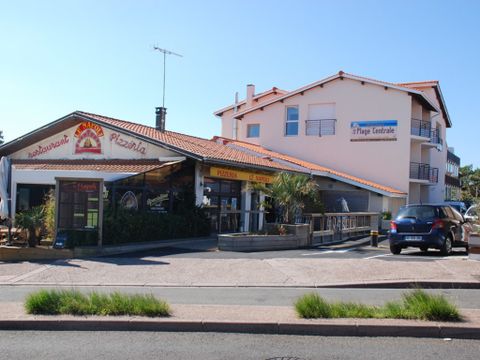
<point x="428" y="226"/>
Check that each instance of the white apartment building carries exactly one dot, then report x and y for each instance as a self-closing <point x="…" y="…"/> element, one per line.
<point x="390" y="134"/>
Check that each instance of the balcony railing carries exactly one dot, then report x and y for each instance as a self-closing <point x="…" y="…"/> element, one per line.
<point x="435" y="137"/>
<point x="422" y="171"/>
<point x="424" y="129"/>
<point x="320" y="127"/>
<point x="421" y="128"/>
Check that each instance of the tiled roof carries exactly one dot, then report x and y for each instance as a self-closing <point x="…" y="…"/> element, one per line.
<point x="312" y="166"/>
<point x="340" y="74"/>
<point x="257" y="97"/>
<point x="121" y="166"/>
<point x="203" y="148"/>
<point x="241" y="153"/>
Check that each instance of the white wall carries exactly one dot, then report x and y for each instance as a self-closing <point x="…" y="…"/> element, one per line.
<point x="111" y="148"/>
<point x="384" y="162"/>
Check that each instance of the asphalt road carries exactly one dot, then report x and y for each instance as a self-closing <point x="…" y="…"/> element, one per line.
<point x="465" y="299"/>
<point x="207" y="250"/>
<point x="202" y="346"/>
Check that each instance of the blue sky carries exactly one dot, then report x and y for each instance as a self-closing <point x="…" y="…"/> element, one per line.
<point x="96" y="56"/>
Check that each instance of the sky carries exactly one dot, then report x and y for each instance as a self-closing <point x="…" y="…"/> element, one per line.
<point x="97" y="56"/>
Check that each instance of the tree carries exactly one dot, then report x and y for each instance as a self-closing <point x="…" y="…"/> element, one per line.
<point x="470" y="180"/>
<point x="290" y="192"/>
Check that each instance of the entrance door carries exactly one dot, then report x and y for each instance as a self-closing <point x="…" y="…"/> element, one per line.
<point x="222" y="202"/>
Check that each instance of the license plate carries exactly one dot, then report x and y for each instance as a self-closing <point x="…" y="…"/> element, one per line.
<point x="413" y="238"/>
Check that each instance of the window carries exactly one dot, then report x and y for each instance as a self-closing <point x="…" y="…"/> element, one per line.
<point x="291" y="124"/>
<point x="253" y="130"/>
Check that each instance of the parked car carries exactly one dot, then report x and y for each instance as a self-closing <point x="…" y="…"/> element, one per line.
<point x="472" y="216"/>
<point x="460" y="206"/>
<point x="472" y="213"/>
<point x="428" y="226"/>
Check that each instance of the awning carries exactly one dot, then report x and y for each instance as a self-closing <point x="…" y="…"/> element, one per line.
<point x="116" y="165"/>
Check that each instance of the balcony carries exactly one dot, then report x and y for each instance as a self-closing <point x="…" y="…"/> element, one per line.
<point x="423" y="172"/>
<point x="423" y="129"/>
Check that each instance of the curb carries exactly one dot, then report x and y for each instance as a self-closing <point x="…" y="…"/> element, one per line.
<point x="427" y="284"/>
<point x="407" y="285"/>
<point x="322" y="329"/>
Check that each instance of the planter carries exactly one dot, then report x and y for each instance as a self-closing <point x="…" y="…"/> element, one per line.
<point x="474" y="247"/>
<point x="298" y="236"/>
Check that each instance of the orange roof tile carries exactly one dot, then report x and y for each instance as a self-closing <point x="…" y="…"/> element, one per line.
<point x="312" y="166"/>
<point x="122" y="166"/>
<point x="203" y="148"/>
<point x="208" y="149"/>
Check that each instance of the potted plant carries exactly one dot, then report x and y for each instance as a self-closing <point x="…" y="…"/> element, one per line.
<point x="385" y="218"/>
<point x="32" y="221"/>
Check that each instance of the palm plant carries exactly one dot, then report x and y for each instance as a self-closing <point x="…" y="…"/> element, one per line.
<point x="291" y="193"/>
<point x="32" y="221"/>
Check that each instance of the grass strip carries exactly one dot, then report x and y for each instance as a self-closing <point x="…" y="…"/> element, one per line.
<point x="416" y="304"/>
<point x="73" y="302"/>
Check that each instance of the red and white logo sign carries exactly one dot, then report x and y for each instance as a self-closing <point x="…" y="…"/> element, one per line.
<point x="88" y="137"/>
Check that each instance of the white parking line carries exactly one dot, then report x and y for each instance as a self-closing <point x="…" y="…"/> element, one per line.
<point x="406" y="255"/>
<point x="327" y="252"/>
<point x="377" y="256"/>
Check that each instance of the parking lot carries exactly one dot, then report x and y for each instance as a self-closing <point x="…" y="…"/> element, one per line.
<point x="208" y="250"/>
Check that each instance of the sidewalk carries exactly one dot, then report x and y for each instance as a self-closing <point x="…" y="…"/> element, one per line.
<point x="214" y="271"/>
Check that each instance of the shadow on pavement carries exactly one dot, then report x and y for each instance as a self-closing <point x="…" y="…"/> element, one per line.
<point x="126" y="261"/>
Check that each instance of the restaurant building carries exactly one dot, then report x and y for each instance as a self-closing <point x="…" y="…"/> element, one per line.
<point x="93" y="162"/>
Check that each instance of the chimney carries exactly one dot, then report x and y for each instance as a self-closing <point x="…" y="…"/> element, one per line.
<point x="161" y="114"/>
<point x="250" y="94"/>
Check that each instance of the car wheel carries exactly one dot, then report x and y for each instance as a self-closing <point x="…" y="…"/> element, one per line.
<point x="395" y="250"/>
<point x="466" y="249"/>
<point x="423" y="248"/>
<point x="446" y="248"/>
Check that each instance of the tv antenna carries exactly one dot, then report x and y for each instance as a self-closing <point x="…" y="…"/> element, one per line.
<point x="165" y="53"/>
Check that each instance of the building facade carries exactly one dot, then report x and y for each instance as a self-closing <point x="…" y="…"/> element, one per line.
<point x="390" y="134"/>
<point x="453" y="187"/>
<point x="92" y="162"/>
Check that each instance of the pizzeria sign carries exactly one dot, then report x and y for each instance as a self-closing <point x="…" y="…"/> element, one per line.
<point x="240" y="175"/>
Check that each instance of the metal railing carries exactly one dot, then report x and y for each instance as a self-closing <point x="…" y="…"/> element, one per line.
<point x="320" y="127"/>
<point x="340" y="226"/>
<point x="421" y="171"/>
<point x="424" y="129"/>
<point x="421" y="128"/>
<point x="435" y="137"/>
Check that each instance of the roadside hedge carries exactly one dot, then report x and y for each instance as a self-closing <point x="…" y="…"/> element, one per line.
<point x="123" y="226"/>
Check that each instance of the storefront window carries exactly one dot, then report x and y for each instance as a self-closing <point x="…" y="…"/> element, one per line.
<point x="78" y="204"/>
<point x="155" y="190"/>
<point x="222" y="201"/>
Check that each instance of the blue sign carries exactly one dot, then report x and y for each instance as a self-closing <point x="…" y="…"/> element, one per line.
<point x="377" y="130"/>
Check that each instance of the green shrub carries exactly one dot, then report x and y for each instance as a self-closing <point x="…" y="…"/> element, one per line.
<point x="311" y="306"/>
<point x="128" y="226"/>
<point x="49" y="214"/>
<point x="416" y="304"/>
<point x="420" y="305"/>
<point x="73" y="302"/>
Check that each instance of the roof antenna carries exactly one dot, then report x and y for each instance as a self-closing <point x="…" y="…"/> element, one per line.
<point x="165" y="53"/>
